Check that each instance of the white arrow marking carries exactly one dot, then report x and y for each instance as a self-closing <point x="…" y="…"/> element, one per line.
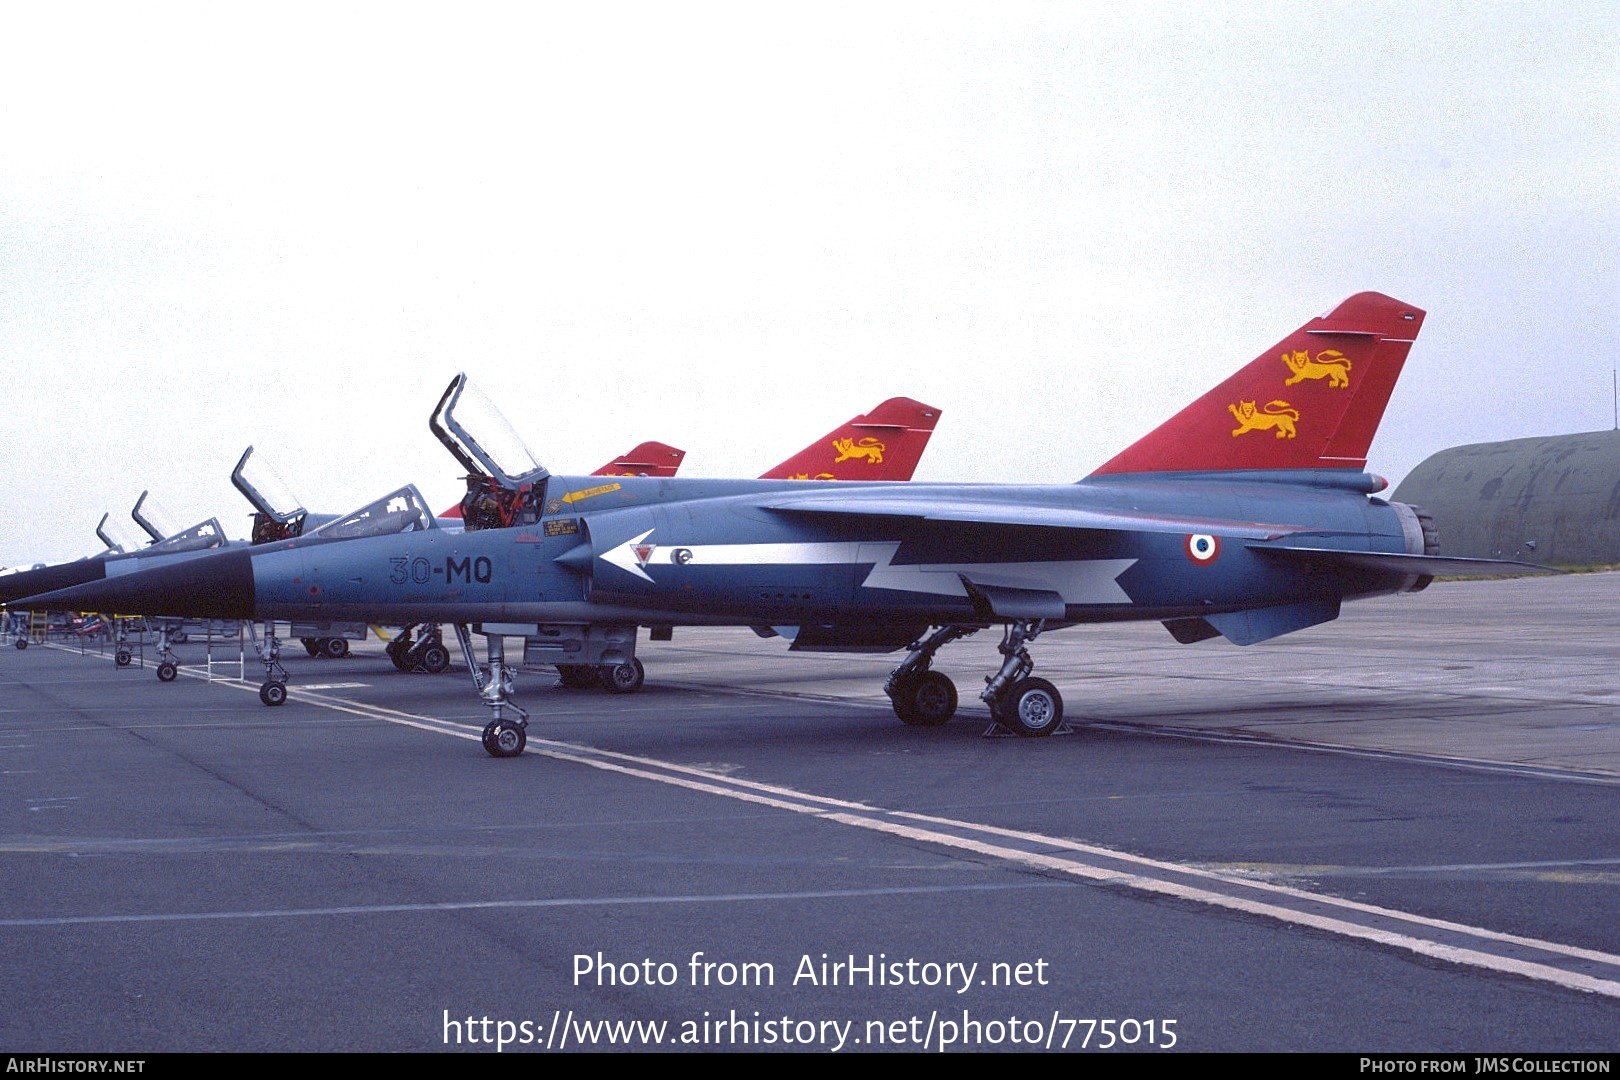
<point x="624" y="556"/>
<point x="1078" y="581"/>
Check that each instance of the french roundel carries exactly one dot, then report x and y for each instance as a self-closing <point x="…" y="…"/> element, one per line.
<point x="1203" y="548"/>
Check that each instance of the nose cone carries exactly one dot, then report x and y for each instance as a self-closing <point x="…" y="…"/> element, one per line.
<point x="51" y="578"/>
<point x="213" y="587"/>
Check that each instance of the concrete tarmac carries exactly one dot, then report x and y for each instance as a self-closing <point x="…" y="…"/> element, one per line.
<point x="1392" y="832"/>
<point x="1523" y="671"/>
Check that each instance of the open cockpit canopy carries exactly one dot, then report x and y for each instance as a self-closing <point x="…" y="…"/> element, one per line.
<point x="158" y="523"/>
<point x="474" y="431"/>
<point x="118" y="537"/>
<point x="259" y="482"/>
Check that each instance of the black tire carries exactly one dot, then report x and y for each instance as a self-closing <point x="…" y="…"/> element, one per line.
<point x="625" y="678"/>
<point x="22" y="643"/>
<point x="900" y="698"/>
<point x="1031" y="707"/>
<point x="122" y="657"/>
<point x="502" y="738"/>
<point x="273" y="693"/>
<point x="335" y="648"/>
<point x="167" y="671"/>
<point x="177" y="637"/>
<point x="926" y="700"/>
<point x="435" y="658"/>
<point x="311" y="646"/>
<point x="577" y="676"/>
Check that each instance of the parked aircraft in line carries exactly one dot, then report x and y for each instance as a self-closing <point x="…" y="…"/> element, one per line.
<point x="1246" y="516"/>
<point x="122" y="555"/>
<point x="278" y="515"/>
<point x="900" y="426"/>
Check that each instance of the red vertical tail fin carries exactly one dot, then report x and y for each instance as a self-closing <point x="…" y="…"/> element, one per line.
<point x="1313" y="401"/>
<point x="884" y="444"/>
<point x="648" y="459"/>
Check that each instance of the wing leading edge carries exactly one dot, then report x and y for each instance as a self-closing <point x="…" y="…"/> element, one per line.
<point x="924" y="505"/>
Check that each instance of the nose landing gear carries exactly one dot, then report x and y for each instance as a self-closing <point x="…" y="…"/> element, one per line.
<point x="274" y="689"/>
<point x="495" y="683"/>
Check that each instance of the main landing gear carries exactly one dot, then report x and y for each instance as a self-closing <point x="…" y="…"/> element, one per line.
<point x="1023" y="705"/>
<point x="425" y="653"/>
<point x="1019" y="702"/>
<point x="502" y="737"/>
<point x="625" y="678"/>
<point x="334" y="648"/>
<point x="922" y="697"/>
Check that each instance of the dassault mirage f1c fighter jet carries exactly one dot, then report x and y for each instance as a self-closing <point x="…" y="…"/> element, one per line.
<point x="1246" y="516"/>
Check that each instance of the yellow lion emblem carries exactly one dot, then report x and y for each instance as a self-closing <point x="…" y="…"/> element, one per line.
<point x="1276" y="414"/>
<point x="868" y="448"/>
<point x="1330" y="364"/>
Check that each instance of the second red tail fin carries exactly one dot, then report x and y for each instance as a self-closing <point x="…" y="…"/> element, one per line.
<point x="1313" y="401"/>
<point x="884" y="444"/>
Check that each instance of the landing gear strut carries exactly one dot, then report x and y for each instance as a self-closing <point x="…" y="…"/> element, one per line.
<point x="922" y="697"/>
<point x="1024" y="705"/>
<point x="502" y="737"/>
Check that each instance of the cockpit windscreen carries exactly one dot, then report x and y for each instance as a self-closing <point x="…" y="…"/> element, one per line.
<point x="207" y="534"/>
<point x="397" y="512"/>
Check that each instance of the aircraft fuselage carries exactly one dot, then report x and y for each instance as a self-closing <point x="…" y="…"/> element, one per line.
<point x="724" y="552"/>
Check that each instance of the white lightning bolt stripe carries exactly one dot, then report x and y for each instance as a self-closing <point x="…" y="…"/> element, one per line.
<point x="1078" y="581"/>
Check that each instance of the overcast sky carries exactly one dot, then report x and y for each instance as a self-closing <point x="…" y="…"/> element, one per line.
<point x="729" y="227"/>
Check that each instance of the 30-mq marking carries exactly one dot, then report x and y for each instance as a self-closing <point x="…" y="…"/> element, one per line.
<point x="420" y="571"/>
